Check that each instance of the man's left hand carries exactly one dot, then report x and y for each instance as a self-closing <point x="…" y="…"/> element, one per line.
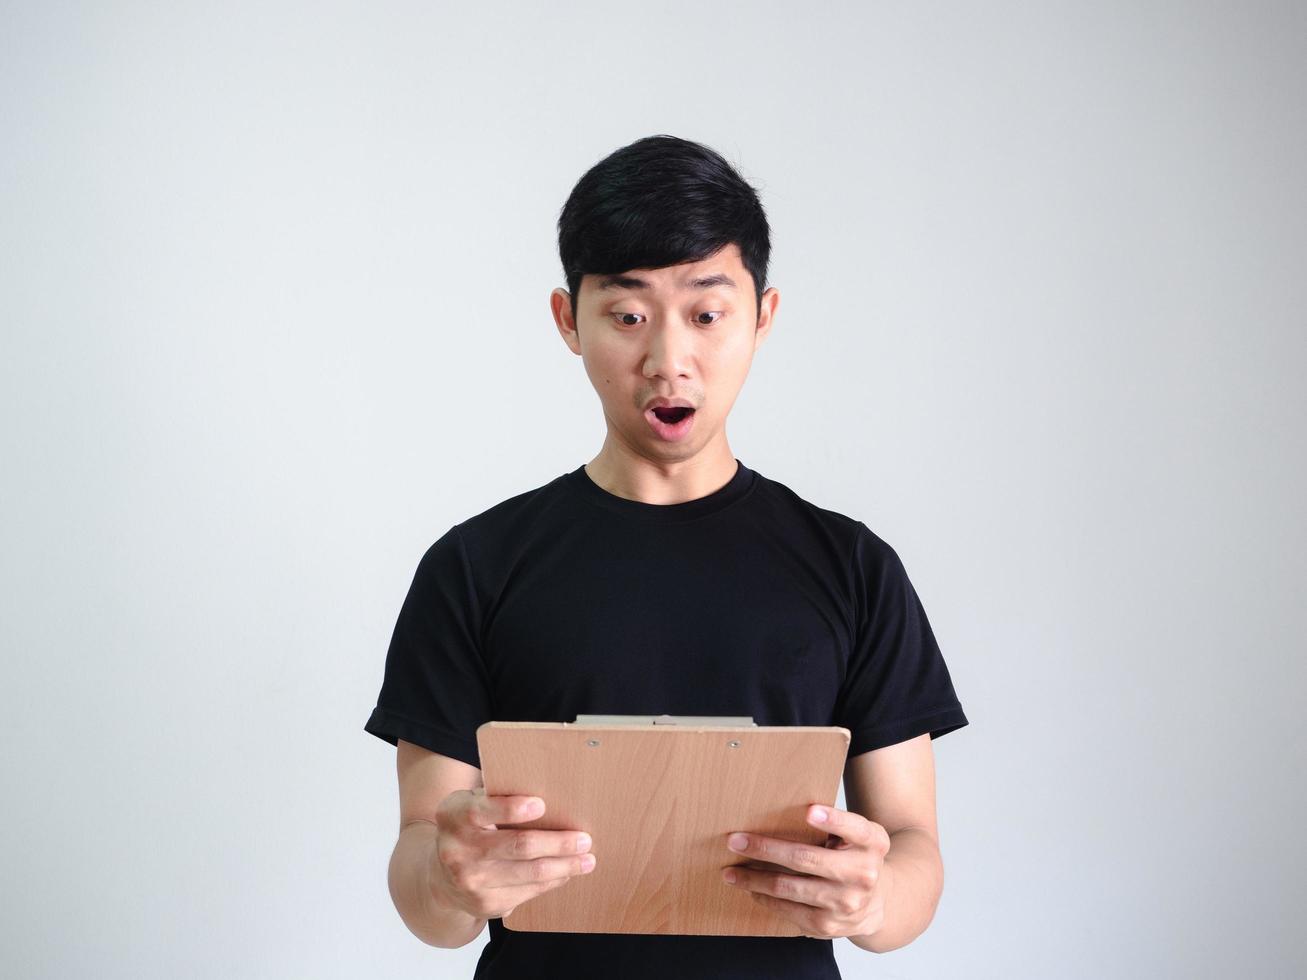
<point x="840" y="888"/>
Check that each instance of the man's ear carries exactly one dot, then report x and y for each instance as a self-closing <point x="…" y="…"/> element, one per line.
<point x="767" y="307"/>
<point x="560" y="306"/>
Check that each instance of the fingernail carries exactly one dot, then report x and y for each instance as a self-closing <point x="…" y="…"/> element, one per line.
<point x="588" y="862"/>
<point x="583" y="842"/>
<point x="729" y="877"/>
<point x="535" y="808"/>
<point x="737" y="842"/>
<point x="818" y="815"/>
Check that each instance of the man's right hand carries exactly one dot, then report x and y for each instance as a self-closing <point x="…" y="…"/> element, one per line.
<point x="487" y="871"/>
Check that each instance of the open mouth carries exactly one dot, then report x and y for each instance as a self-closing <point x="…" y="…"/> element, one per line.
<point x="672" y="415"/>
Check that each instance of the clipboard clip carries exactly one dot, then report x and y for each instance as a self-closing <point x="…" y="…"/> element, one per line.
<point x="691" y="721"/>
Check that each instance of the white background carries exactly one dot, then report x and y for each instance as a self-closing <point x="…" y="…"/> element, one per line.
<point x="274" y="294"/>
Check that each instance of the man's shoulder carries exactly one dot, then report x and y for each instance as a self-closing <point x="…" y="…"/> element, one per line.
<point x="853" y="537"/>
<point x="785" y="502"/>
<point x="515" y="518"/>
<point x="523" y="502"/>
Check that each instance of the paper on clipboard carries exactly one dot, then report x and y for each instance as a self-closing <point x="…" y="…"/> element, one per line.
<point x="658" y="795"/>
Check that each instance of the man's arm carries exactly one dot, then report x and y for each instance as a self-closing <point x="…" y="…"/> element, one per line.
<point x="426" y="778"/>
<point x="894" y="786"/>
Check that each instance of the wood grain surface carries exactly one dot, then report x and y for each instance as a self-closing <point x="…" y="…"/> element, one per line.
<point x="658" y="802"/>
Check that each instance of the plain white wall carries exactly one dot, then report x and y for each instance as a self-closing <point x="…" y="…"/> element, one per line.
<point x="274" y="291"/>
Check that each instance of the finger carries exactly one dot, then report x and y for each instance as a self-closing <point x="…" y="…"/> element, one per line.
<point x="816" y="893"/>
<point x="525" y="845"/>
<point x="852" y="827"/>
<point x="498" y="903"/>
<point x="491" y="811"/>
<point x="511" y="874"/>
<point x="807" y="858"/>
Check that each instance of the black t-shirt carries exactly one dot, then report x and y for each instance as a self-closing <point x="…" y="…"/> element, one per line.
<point x="568" y="599"/>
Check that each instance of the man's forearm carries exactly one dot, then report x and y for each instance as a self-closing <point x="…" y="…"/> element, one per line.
<point x="913" y="876"/>
<point x="410" y="890"/>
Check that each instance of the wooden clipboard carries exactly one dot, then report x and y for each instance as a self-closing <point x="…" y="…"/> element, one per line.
<point x="658" y="796"/>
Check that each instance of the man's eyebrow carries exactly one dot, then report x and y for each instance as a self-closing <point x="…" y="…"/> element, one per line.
<point x="621" y="281"/>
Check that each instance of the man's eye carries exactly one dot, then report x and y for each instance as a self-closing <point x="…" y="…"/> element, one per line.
<point x="632" y="319"/>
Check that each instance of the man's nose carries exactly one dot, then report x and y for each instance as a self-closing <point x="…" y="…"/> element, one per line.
<point x="670" y="344"/>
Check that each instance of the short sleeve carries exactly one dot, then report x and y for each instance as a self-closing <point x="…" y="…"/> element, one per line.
<point x="435" y="691"/>
<point x="897" y="685"/>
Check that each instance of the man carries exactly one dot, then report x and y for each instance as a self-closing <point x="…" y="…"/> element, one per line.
<point x="664" y="576"/>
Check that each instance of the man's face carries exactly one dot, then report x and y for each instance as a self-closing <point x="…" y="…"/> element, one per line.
<point x="684" y="332"/>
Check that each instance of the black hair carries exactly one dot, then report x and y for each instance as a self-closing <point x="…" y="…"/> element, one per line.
<point x="660" y="201"/>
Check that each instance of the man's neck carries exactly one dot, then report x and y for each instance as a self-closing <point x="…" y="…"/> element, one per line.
<point x="651" y="482"/>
